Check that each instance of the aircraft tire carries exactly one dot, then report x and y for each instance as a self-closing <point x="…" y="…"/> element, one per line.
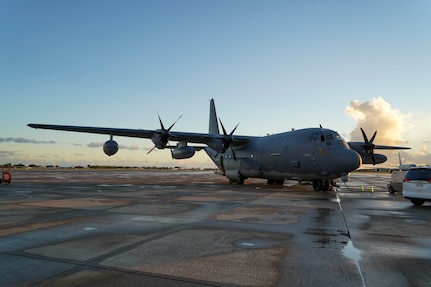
<point x="239" y="181"/>
<point x="279" y="182"/>
<point x="275" y="181"/>
<point x="326" y="185"/>
<point x="317" y="184"/>
<point x="321" y="185"/>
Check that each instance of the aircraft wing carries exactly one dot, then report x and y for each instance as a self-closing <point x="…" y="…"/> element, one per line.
<point x="139" y="133"/>
<point x="358" y="146"/>
<point x="389" y="147"/>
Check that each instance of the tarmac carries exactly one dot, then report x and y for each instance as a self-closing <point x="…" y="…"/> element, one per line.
<point x="66" y="227"/>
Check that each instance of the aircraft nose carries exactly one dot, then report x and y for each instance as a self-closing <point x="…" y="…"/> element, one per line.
<point x="349" y="160"/>
<point x="353" y="160"/>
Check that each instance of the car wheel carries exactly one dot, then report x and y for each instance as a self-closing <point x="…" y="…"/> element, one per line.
<point x="391" y="190"/>
<point x="417" y="201"/>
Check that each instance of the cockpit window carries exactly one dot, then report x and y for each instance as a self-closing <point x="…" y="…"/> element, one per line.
<point x="329" y="137"/>
<point x="314" y="137"/>
<point x="319" y="137"/>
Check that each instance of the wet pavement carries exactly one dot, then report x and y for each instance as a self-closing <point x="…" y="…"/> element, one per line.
<point x="141" y="228"/>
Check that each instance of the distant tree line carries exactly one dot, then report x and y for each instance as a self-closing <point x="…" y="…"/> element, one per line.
<point x="20" y="165"/>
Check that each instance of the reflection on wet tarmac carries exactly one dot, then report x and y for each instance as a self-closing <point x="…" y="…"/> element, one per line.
<point x="352" y="253"/>
<point x="134" y="227"/>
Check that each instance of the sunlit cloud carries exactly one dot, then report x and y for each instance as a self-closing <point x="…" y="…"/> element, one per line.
<point x="95" y="145"/>
<point x="378" y="115"/>
<point x="393" y="128"/>
<point x="24" y="141"/>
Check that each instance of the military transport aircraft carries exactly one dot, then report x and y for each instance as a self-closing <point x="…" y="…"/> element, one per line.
<point x="313" y="154"/>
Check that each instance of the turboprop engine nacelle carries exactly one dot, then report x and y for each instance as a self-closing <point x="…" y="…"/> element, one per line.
<point x="183" y="152"/>
<point x="379" y="158"/>
<point x="110" y="147"/>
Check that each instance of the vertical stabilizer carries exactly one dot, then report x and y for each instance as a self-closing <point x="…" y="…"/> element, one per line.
<point x="213" y="126"/>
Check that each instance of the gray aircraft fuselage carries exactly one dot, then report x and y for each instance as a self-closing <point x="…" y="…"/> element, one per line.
<point x="306" y="154"/>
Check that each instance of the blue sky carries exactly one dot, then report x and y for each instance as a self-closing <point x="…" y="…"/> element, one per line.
<point x="269" y="65"/>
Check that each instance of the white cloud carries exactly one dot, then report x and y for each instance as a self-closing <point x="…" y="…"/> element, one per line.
<point x="25" y="141"/>
<point x="393" y="128"/>
<point x="378" y="115"/>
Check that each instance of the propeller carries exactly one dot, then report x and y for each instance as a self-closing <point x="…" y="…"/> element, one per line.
<point x="369" y="146"/>
<point x="169" y="129"/>
<point x="163" y="134"/>
<point x="228" y="139"/>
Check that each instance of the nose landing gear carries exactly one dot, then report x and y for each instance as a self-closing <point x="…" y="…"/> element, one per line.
<point x="321" y="185"/>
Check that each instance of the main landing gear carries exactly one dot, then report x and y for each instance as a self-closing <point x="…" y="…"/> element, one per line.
<point x="321" y="185"/>
<point x="237" y="181"/>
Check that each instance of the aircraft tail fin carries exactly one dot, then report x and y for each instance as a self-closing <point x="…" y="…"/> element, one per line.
<point x="213" y="125"/>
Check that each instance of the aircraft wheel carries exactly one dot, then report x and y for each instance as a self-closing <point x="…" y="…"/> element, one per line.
<point x="326" y="186"/>
<point x="275" y="181"/>
<point x="279" y="181"/>
<point x="317" y="184"/>
<point x="239" y="181"/>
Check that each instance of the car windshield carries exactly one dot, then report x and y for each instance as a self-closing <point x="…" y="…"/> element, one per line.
<point x="419" y="174"/>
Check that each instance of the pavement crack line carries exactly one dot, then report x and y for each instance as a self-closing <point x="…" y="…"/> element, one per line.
<point x="350" y="250"/>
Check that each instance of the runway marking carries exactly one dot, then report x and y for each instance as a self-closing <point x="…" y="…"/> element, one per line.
<point x="31" y="227"/>
<point x="170" y="220"/>
<point x="349" y="250"/>
<point x="79" y="203"/>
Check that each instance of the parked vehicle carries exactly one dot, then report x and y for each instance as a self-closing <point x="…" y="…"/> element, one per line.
<point x="396" y="183"/>
<point x="6" y="176"/>
<point x="417" y="185"/>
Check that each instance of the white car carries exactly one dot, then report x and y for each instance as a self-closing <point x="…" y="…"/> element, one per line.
<point x="417" y="185"/>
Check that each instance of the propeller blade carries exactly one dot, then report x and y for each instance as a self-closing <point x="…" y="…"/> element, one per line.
<point x="364" y="136"/>
<point x="222" y="126"/>
<point x="372" y="138"/>
<point x="161" y="123"/>
<point x="174" y="123"/>
<point x="231" y="133"/>
<point x="151" y="150"/>
<point x="233" y="153"/>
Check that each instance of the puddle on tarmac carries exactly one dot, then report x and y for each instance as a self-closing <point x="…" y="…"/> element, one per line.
<point x="89" y="228"/>
<point x="352" y="252"/>
<point x="415" y="221"/>
<point x="256" y="243"/>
